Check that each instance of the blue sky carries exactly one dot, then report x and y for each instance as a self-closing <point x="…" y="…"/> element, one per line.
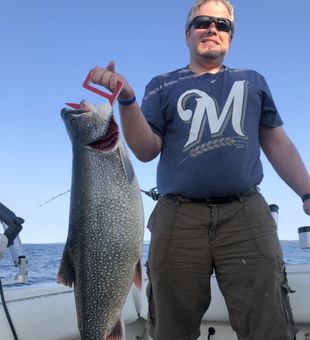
<point x="47" y="49"/>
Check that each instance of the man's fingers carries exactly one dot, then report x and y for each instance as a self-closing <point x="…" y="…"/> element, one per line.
<point x="111" y="67"/>
<point x="105" y="77"/>
<point x="96" y="74"/>
<point x="100" y="76"/>
<point x="108" y="78"/>
<point x="113" y="82"/>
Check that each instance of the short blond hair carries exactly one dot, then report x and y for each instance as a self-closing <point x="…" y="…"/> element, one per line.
<point x="199" y="3"/>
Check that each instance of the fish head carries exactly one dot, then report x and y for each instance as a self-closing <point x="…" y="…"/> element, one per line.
<point x="92" y="126"/>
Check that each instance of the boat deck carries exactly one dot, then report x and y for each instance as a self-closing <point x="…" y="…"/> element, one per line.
<point x="47" y="311"/>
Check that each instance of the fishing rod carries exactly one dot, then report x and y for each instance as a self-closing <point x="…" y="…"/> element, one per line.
<point x="53" y="198"/>
<point x="12" y="225"/>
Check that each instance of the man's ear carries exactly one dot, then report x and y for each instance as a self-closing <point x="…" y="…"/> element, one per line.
<point x="187" y="35"/>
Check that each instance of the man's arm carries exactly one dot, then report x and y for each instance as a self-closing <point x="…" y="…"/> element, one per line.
<point x="139" y="136"/>
<point x="285" y="159"/>
<point x="141" y="139"/>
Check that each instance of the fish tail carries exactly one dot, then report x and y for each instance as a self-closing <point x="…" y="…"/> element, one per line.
<point x="137" y="279"/>
<point x="66" y="271"/>
<point x="118" y="331"/>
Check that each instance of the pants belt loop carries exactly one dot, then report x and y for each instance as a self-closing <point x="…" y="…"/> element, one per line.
<point x="241" y="197"/>
<point x="254" y="190"/>
<point x="179" y="200"/>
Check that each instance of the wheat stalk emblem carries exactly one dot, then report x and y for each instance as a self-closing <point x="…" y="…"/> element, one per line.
<point x="214" y="144"/>
<point x="211" y="145"/>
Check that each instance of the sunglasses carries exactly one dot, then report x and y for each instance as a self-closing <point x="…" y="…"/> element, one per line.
<point x="204" y="21"/>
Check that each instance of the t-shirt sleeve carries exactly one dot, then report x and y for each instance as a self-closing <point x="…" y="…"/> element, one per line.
<point x="270" y="116"/>
<point x="152" y="107"/>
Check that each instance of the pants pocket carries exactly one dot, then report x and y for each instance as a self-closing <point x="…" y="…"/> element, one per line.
<point x="285" y="291"/>
<point x="149" y="295"/>
<point x="161" y="224"/>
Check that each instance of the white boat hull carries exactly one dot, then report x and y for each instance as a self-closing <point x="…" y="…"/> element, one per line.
<point x="47" y="311"/>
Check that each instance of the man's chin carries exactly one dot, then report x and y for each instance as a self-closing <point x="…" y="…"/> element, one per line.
<point x="213" y="55"/>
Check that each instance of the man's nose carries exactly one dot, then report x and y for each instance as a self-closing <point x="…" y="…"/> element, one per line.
<point x="212" y="28"/>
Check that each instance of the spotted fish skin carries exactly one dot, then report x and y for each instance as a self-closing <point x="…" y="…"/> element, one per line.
<point x="105" y="235"/>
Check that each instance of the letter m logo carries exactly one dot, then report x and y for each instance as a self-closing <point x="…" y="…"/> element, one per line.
<point x="207" y="109"/>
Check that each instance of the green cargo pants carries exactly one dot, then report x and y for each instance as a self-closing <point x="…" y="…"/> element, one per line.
<point x="238" y="242"/>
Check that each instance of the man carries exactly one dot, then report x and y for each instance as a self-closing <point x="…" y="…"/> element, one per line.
<point x="208" y="123"/>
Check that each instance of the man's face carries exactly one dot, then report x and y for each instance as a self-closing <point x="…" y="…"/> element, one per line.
<point x="209" y="43"/>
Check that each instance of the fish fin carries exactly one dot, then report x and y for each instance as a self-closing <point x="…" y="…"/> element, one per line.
<point x="118" y="331"/>
<point x="66" y="271"/>
<point x="127" y="166"/>
<point x="137" y="279"/>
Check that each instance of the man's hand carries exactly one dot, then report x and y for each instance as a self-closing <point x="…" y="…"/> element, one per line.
<point x="108" y="78"/>
<point x="3" y="245"/>
<point x="139" y="136"/>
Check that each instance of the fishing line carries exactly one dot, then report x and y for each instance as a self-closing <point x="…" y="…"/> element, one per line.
<point x="153" y="193"/>
<point x="7" y="312"/>
<point x="53" y="198"/>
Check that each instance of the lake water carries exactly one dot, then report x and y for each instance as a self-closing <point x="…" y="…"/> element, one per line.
<point x="43" y="260"/>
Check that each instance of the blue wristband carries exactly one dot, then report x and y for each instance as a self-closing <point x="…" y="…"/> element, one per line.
<point x="305" y="197"/>
<point x="127" y="102"/>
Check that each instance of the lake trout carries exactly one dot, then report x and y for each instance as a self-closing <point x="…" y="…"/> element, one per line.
<point x="101" y="257"/>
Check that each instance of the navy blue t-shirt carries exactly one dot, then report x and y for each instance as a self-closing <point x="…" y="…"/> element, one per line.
<point x="209" y="124"/>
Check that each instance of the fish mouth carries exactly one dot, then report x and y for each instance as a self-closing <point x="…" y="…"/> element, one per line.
<point x="109" y="140"/>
